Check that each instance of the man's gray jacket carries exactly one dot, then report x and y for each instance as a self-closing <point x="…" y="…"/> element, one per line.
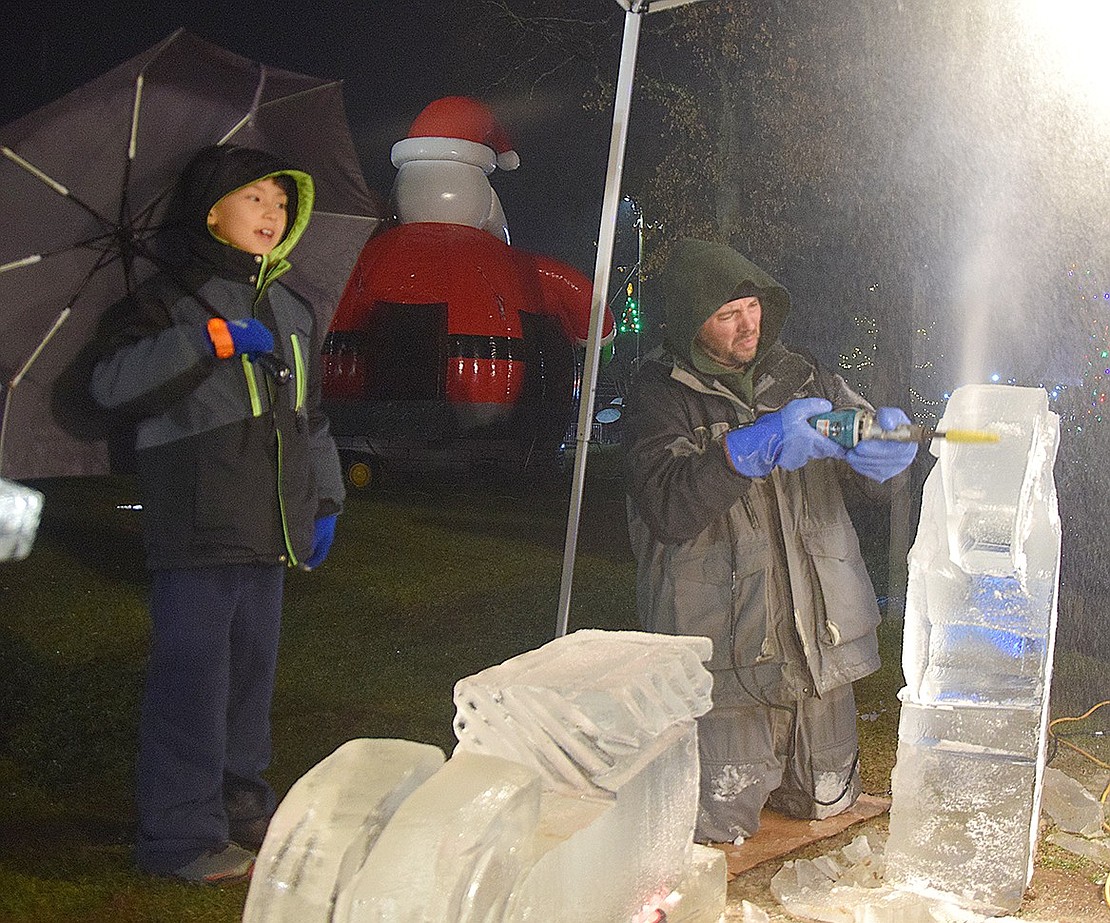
<point x="768" y="568"/>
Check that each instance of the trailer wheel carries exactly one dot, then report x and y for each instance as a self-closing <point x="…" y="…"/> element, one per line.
<point x="360" y="475"/>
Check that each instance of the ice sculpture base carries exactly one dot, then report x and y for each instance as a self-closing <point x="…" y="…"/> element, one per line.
<point x="572" y="796"/>
<point x="959" y="828"/>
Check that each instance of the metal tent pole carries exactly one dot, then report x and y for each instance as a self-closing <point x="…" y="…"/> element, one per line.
<point x="634" y="10"/>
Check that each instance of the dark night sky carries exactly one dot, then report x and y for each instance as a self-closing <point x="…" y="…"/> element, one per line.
<point x="394" y="56"/>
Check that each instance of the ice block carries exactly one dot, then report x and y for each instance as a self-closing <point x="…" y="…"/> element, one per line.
<point x="977" y="656"/>
<point x="580" y="709"/>
<point x="327" y="825"/>
<point x="20" y="510"/>
<point x="571" y="796"/>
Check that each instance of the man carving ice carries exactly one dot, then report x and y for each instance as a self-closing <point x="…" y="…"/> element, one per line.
<point x="738" y="523"/>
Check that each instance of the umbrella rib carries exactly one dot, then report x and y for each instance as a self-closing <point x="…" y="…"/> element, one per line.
<point x="58" y="321"/>
<point x="252" y="109"/>
<point x="133" y="142"/>
<point x="299" y="93"/>
<point x="53" y="184"/>
<point x="25" y="261"/>
<point x="322" y="214"/>
<point x="34" y="171"/>
<point x="258" y="89"/>
<point x="256" y="106"/>
<point x="30" y="260"/>
<point x="243" y="121"/>
<point x="62" y="317"/>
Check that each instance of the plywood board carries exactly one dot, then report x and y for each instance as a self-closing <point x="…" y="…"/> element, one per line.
<point x="779" y="835"/>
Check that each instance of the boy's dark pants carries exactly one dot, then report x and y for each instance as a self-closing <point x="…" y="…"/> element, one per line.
<point x="204" y="731"/>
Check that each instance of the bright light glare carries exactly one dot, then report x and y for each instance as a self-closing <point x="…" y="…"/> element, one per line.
<point x="1069" y="40"/>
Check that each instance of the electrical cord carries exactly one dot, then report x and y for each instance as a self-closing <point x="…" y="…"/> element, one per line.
<point x="847" y="784"/>
<point x="1057" y="739"/>
<point x="1060" y="739"/>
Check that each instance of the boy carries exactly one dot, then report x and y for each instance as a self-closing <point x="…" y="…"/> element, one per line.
<point x="239" y="479"/>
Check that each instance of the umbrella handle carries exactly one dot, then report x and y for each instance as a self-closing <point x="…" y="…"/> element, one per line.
<point x="274" y="367"/>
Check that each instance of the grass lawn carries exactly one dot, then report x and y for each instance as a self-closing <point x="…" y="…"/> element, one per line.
<point x="430" y="579"/>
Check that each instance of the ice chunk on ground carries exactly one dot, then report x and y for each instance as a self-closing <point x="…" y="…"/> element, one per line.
<point x="699" y="896"/>
<point x="1095" y="850"/>
<point x="328" y="823"/>
<point x="1070" y="805"/>
<point x="754" y="913"/>
<point x="857" y="894"/>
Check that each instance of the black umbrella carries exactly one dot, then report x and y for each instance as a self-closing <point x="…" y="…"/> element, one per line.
<point x="84" y="182"/>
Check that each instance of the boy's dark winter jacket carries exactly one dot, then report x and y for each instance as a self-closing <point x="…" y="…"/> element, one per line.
<point x="234" y="467"/>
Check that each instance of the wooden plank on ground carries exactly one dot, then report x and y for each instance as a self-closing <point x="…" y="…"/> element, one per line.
<point x="779" y="835"/>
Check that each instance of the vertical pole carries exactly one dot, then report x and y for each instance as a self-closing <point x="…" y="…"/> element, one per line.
<point x="605" y="240"/>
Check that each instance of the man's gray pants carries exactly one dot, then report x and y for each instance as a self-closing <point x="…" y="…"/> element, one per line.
<point x="799" y="759"/>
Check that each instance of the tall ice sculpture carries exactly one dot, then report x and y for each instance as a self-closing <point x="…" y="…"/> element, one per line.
<point x="570" y="797"/>
<point x="977" y="656"/>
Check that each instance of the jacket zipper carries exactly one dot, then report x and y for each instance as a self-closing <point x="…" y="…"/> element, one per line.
<point x="281" y="501"/>
<point x="256" y="409"/>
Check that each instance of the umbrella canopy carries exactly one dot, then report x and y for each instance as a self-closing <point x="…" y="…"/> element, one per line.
<point x="84" y="182"/>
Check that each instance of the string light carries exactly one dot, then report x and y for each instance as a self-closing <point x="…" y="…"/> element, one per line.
<point x="630" y="316"/>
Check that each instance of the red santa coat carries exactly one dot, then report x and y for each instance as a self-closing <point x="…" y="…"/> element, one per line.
<point x="485" y="285"/>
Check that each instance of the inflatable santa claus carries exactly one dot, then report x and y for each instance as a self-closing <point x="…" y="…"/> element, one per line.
<point x="445" y="331"/>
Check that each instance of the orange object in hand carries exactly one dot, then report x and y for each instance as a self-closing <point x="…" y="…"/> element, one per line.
<point x="220" y="336"/>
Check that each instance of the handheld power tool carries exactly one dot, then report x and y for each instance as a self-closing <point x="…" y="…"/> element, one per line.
<point x="851" y="425"/>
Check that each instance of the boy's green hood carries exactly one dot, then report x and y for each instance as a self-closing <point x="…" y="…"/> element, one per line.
<point x="699" y="277"/>
<point x="221" y="169"/>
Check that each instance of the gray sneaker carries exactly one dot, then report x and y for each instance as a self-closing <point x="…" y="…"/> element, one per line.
<point x="218" y="866"/>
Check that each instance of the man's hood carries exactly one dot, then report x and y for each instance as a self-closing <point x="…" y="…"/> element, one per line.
<point x="221" y="169"/>
<point x="699" y="277"/>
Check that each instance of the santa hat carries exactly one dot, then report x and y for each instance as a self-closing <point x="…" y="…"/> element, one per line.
<point x="460" y="129"/>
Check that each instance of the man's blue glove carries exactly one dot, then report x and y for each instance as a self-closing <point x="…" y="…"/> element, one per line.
<point x="783" y="438"/>
<point x="322" y="538"/>
<point x="878" y="459"/>
<point x="234" y="337"/>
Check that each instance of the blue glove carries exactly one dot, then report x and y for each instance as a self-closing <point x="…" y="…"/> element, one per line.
<point x="234" y="337"/>
<point x="322" y="538"/>
<point x="783" y="438"/>
<point x="878" y="459"/>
